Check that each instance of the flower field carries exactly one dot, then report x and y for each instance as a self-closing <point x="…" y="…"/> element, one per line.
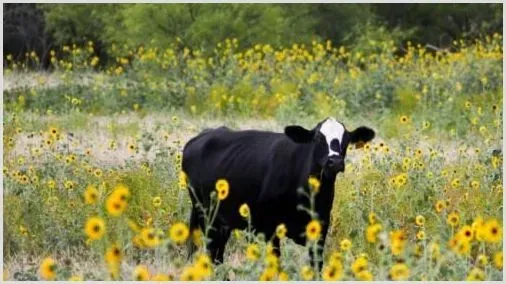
<point x="92" y="181"/>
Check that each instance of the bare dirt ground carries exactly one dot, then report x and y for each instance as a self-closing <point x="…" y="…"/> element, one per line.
<point x="41" y="79"/>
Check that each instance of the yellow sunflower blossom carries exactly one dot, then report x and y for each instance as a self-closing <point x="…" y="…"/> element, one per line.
<point x="313" y="230"/>
<point x="179" y="232"/>
<point x="48" y="269"/>
<point x="141" y="273"/>
<point x="222" y="187"/>
<point x="95" y="228"/>
<point x="399" y="272"/>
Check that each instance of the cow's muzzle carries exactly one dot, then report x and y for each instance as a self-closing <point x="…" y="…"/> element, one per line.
<point x="335" y="163"/>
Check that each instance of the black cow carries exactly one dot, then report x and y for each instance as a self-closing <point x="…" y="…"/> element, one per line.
<point x="266" y="170"/>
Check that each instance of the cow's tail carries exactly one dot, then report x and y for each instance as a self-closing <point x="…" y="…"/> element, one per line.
<point x="194" y="225"/>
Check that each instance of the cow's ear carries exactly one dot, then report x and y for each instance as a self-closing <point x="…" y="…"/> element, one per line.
<point x="361" y="135"/>
<point x="299" y="134"/>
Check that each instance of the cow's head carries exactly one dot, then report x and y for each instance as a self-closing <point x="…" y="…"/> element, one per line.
<point x="331" y="140"/>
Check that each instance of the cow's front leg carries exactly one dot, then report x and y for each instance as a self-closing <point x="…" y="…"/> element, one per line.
<point x="316" y="255"/>
<point x="218" y="239"/>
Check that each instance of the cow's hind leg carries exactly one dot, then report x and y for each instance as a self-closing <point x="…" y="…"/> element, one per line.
<point x="276" y="246"/>
<point x="194" y="225"/>
<point x="218" y="237"/>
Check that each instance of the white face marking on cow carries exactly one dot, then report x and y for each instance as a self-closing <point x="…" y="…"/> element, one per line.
<point x="332" y="129"/>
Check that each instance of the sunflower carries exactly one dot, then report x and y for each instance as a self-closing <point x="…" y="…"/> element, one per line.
<point x="157" y="201"/>
<point x="115" y="206"/>
<point x="161" y="277"/>
<point x="345" y="244"/>
<point x="306" y="272"/>
<point x="359" y="265"/>
<point x="459" y="245"/>
<point x="498" y="260"/>
<point x="281" y="231"/>
<point x="190" y="273"/>
<point x="420" y="235"/>
<point x="183" y="180"/>
<point x="426" y="124"/>
<point x="364" y="276"/>
<point x="113" y="255"/>
<point x="53" y="131"/>
<point x="222" y="187"/>
<point x="283" y="276"/>
<point x="132" y="148"/>
<point x="90" y="195"/>
<point x="455" y="182"/>
<point x="335" y="257"/>
<point x="313" y="230"/>
<point x="475" y="184"/>
<point x="314" y="184"/>
<point x="440" y="205"/>
<point x="76" y="278"/>
<point x="476" y="274"/>
<point x="244" y="210"/>
<point x="48" y="269"/>
<point x="372" y="218"/>
<point x="397" y="241"/>
<point x="23" y="179"/>
<point x="204" y="265"/>
<point x="482" y="260"/>
<point x="372" y="232"/>
<point x="492" y="231"/>
<point x="268" y="274"/>
<point x="95" y="228"/>
<point x="97" y="172"/>
<point x="333" y="272"/>
<point x="133" y="226"/>
<point x="69" y="185"/>
<point x="23" y="231"/>
<point x="121" y="192"/>
<point x="404" y="119"/>
<point x="478" y="226"/>
<point x="252" y="252"/>
<point x="467" y="233"/>
<point x="399" y="271"/>
<point x="149" y="237"/>
<point x="179" y="232"/>
<point x="141" y="273"/>
<point x="420" y="220"/>
<point x="272" y="261"/>
<point x="453" y="219"/>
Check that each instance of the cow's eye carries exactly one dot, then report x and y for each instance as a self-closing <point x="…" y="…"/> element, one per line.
<point x="334" y="145"/>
